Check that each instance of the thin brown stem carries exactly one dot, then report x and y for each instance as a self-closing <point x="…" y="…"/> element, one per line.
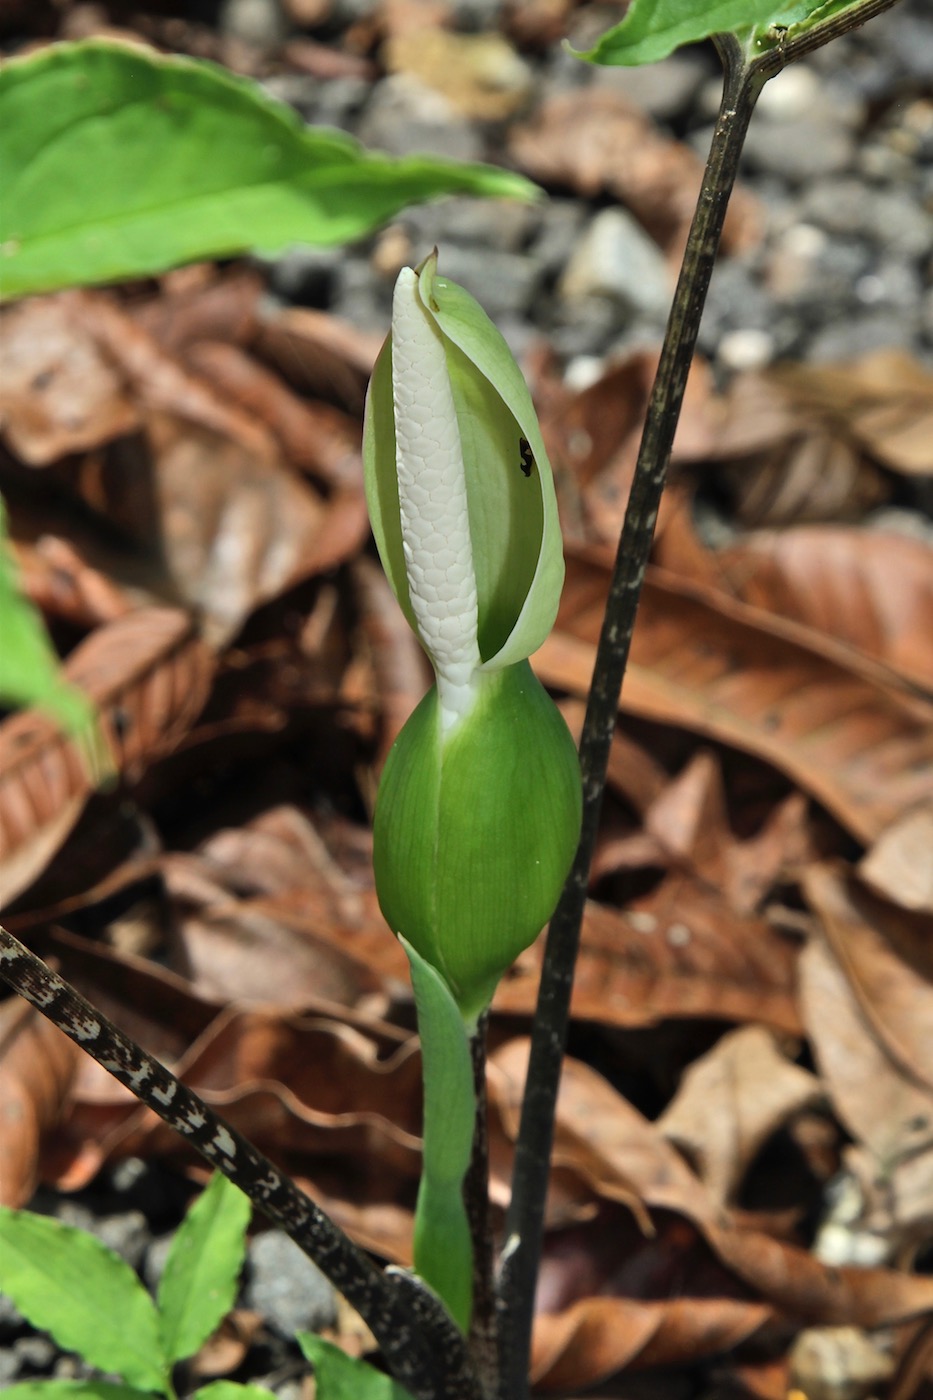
<point x="430" y="1371"/>
<point x="524" y="1224"/>
<point x="483" y="1327"/>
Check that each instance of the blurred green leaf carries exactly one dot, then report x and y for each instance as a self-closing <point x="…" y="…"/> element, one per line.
<point x="652" y="29"/>
<point x="199" y="1284"/>
<point x="341" y="1377"/>
<point x="69" y="1284"/>
<point x="117" y="162"/>
<point x="74" y="1390"/>
<point x="30" y="671"/>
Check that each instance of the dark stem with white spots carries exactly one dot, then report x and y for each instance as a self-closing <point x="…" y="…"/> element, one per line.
<point x="422" y="1346"/>
<point x="525" y="1219"/>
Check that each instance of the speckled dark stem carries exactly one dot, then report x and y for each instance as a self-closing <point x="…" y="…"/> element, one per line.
<point x="422" y="1346"/>
<point x="524" y="1223"/>
<point x="483" y="1344"/>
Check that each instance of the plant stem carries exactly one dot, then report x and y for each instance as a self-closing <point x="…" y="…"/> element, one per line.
<point x="430" y="1371"/>
<point x="483" y="1346"/>
<point x="524" y="1223"/>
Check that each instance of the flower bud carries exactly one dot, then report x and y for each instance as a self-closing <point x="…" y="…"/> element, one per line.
<point x="478" y="812"/>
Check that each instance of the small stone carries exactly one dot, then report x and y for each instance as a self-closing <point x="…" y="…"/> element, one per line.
<point x="405" y="117"/>
<point x="259" y="23"/>
<point x="746" y="349"/>
<point x="35" y="1355"/>
<point x="286" y="1287"/>
<point x="664" y="90"/>
<point x="616" y="260"/>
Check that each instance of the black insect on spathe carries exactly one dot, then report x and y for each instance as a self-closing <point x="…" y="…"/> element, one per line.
<point x="526" y="455"/>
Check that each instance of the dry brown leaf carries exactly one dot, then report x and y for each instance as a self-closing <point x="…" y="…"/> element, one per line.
<point x="887" y="955"/>
<point x="681" y="951"/>
<point x="617" y="1151"/>
<point x="62" y="585"/>
<point x="320" y="356"/>
<point x="883" y="400"/>
<point x="869" y="588"/>
<point x="888" y="1112"/>
<point x="898" y="866"/>
<point x="598" y="142"/>
<point x="315" y="437"/>
<point x="593" y="434"/>
<point x="597" y="1337"/>
<point x="827" y="719"/>
<point x="247" y="950"/>
<point x="401" y="673"/>
<point x="37" y="1067"/>
<point x="730" y="1102"/>
<point x="59" y="393"/>
<point x="148" y="676"/>
<point x="238" y="529"/>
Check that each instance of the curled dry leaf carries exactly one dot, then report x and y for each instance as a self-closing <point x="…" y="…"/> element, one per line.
<point x="887" y="955"/>
<point x="829" y="720"/>
<point x="782" y="462"/>
<point x="148" y="675"/>
<point x="237" y="527"/>
<point x="882" y="400"/>
<point x="597" y="1337"/>
<point x="319" y="355"/>
<point x="315" y="437"/>
<point x="59" y="391"/>
<point x="62" y="585"/>
<point x="681" y="951"/>
<point x="898" y="865"/>
<point x="37" y="1067"/>
<point x="869" y="588"/>
<point x="731" y="1101"/>
<point x="596" y="141"/>
<point x="887" y="1203"/>
<point x="400" y="670"/>
<point x="617" y="1151"/>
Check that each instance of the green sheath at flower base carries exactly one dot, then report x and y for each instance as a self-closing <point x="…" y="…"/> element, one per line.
<point x="474" y="834"/>
<point x="478" y="813"/>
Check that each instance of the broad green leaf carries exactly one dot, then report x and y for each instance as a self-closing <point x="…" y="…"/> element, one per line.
<point x="118" y="162"/>
<point x="74" y="1390"/>
<point x="233" y="1390"/>
<point x="69" y="1284"/>
<point x="199" y="1284"/>
<point x="30" y="672"/>
<point x="341" y="1377"/>
<point x="652" y="29"/>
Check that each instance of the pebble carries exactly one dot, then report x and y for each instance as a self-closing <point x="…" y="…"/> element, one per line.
<point x="615" y="259"/>
<point x="286" y="1287"/>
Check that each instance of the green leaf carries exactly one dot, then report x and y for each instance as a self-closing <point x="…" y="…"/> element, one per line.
<point x="652" y="29"/>
<point x="117" y="162"/>
<point x="341" y="1377"/>
<point x="74" y="1390"/>
<point x="199" y="1284"/>
<point x="30" y="671"/>
<point x="233" y="1390"/>
<point x="69" y="1284"/>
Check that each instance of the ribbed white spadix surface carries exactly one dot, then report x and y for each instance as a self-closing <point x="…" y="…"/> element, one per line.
<point x="433" y="501"/>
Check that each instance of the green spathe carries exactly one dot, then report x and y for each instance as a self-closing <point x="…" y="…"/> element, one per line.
<point x="475" y="832"/>
<point x="514" y="530"/>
